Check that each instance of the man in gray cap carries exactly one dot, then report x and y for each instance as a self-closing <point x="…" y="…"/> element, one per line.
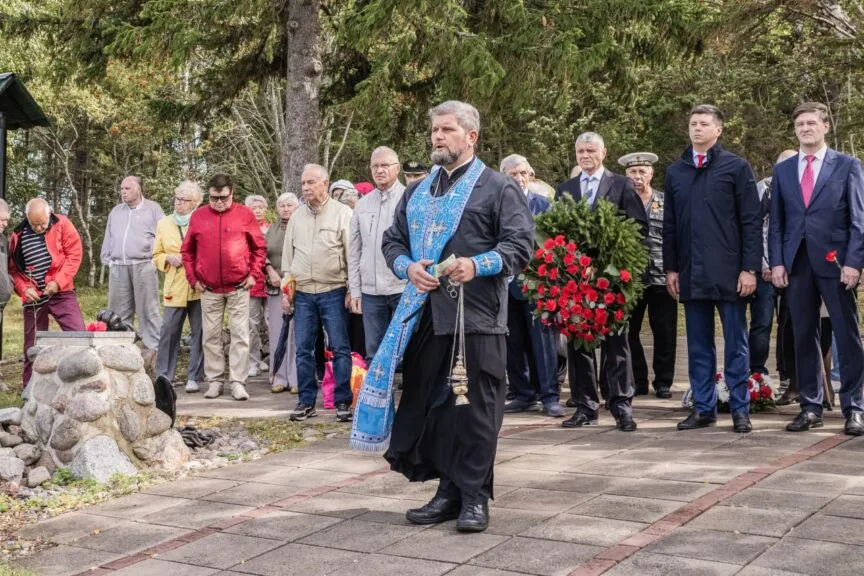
<point x="414" y="171"/>
<point x="661" y="306"/>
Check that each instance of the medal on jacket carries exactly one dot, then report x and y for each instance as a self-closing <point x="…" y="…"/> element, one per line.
<point x="458" y="378"/>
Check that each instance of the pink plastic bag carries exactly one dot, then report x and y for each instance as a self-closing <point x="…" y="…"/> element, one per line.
<point x="328" y="386"/>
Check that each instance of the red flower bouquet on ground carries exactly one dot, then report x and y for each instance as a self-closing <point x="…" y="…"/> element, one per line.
<point x="571" y="295"/>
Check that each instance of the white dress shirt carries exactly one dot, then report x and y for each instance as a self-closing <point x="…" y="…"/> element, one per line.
<point x="817" y="163"/>
<point x="590" y="183"/>
<point x="696" y="158"/>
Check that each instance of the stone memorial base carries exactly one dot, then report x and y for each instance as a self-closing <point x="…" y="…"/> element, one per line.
<point x="91" y="407"/>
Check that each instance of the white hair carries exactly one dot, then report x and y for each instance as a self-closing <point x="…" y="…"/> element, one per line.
<point x="386" y="150"/>
<point x="466" y="115"/>
<point x="322" y="171"/>
<point x="4" y="207"/>
<point x="32" y="203"/>
<point x="287" y="198"/>
<point x="590" y="138"/>
<point x="252" y="198"/>
<point x="193" y="188"/>
<point x="512" y="161"/>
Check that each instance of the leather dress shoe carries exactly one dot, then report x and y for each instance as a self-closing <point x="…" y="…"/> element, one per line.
<point x="641" y="390"/>
<point x="514" y="406"/>
<point x="804" y="421"/>
<point x="697" y="420"/>
<point x="787" y="398"/>
<point x="437" y="510"/>
<point x="663" y="392"/>
<point x="626" y="423"/>
<point x="473" y="517"/>
<point x="570" y="403"/>
<point x="854" y="424"/>
<point x="741" y="422"/>
<point x="578" y="420"/>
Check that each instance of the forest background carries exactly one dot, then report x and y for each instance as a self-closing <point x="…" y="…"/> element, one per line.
<point x="176" y="89"/>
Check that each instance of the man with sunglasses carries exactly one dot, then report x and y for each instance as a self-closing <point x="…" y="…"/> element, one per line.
<point x="224" y="254"/>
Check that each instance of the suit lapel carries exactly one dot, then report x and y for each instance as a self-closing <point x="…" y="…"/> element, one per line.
<point x="824" y="173"/>
<point x="603" y="186"/>
<point x="792" y="176"/>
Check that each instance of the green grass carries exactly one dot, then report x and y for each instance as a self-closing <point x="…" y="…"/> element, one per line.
<point x="7" y="570"/>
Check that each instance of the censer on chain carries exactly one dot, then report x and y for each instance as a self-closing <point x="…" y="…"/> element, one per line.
<point x="458" y="378"/>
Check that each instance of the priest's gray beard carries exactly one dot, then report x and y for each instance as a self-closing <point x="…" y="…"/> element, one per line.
<point x="445" y="157"/>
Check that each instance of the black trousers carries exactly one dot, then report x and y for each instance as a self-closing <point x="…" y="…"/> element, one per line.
<point x="616" y="377"/>
<point x="663" y="319"/>
<point x="434" y="438"/>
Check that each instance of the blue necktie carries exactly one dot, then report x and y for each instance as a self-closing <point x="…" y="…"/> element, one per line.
<point x="589" y="190"/>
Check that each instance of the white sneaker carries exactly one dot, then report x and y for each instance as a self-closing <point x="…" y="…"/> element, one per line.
<point x="191" y="386"/>
<point x="214" y="390"/>
<point x="253" y="369"/>
<point x="238" y="391"/>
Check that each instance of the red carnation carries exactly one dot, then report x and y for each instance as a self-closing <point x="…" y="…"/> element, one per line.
<point x="604" y="330"/>
<point x="591" y="295"/>
<point x="549" y="244"/>
<point x="609" y="298"/>
<point x="554" y="291"/>
<point x="549" y="257"/>
<point x="573" y="270"/>
<point x="571" y="247"/>
<point x="576" y="309"/>
<point x="754" y="395"/>
<point x="539" y="253"/>
<point x="587" y="313"/>
<point x="553" y="274"/>
<point x="524" y="288"/>
<point x="541" y="289"/>
<point x="766" y="391"/>
<point x="602" y="283"/>
<point x="625" y="276"/>
<point x="328" y="355"/>
<point x="571" y="287"/>
<point x="569" y="259"/>
<point x="619" y="315"/>
<point x="551" y="305"/>
<point x="588" y="337"/>
<point x="718" y="376"/>
<point x="586" y="273"/>
<point x="831" y="256"/>
<point x="559" y="240"/>
<point x="601" y="316"/>
<point x="621" y="299"/>
<point x="584" y="261"/>
<point x="540" y="304"/>
<point x="541" y="270"/>
<point x="757" y="376"/>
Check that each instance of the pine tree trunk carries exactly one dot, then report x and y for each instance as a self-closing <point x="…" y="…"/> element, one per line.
<point x="303" y="76"/>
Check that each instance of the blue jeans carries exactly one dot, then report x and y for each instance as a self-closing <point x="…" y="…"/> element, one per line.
<point x="702" y="354"/>
<point x="761" y="317"/>
<point x="532" y="355"/>
<point x="377" y="313"/>
<point x="329" y="309"/>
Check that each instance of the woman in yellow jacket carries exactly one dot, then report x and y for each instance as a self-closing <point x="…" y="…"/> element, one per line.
<point x="179" y="299"/>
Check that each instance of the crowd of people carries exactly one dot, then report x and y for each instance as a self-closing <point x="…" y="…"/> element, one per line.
<point x="386" y="270"/>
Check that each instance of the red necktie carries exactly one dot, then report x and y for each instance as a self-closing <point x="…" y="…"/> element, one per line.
<point x="807" y="180"/>
<point x="700" y="160"/>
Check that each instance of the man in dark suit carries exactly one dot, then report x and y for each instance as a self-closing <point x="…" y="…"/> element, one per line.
<point x="817" y="208"/>
<point x="593" y="183"/>
<point x="532" y="349"/>
<point x="712" y="250"/>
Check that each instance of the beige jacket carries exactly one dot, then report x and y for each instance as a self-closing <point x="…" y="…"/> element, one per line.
<point x="315" y="252"/>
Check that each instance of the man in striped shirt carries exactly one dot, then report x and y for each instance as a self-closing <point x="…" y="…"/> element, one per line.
<point x="44" y="256"/>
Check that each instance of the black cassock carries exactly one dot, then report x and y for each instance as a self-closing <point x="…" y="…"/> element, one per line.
<point x="433" y="438"/>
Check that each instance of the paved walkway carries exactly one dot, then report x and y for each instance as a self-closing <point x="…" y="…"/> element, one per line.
<point x="589" y="501"/>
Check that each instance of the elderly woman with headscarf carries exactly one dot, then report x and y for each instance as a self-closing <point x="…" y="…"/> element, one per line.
<point x="258" y="294"/>
<point x="179" y="299"/>
<point x="284" y="376"/>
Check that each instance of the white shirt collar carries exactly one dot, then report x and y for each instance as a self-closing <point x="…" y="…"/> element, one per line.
<point x="450" y="172"/>
<point x="820" y="155"/>
<point x="696" y="157"/>
<point x="596" y="176"/>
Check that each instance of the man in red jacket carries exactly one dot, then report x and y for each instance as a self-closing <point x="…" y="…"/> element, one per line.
<point x="44" y="256"/>
<point x="223" y="255"/>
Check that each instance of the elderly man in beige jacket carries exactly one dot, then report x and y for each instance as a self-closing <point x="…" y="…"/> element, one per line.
<point x="315" y="255"/>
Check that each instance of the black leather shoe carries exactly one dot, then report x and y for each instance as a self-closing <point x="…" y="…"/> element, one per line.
<point x="854" y="424"/>
<point x="473" y="518"/>
<point x="626" y="424"/>
<point x="804" y="421"/>
<point x="697" y="420"/>
<point x="741" y="422"/>
<point x="786" y="399"/>
<point x="570" y="403"/>
<point x="663" y="392"/>
<point x="578" y="420"/>
<point x="641" y="390"/>
<point x="437" y="510"/>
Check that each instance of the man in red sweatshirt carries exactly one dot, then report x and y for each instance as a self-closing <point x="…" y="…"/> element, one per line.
<point x="223" y="255"/>
<point x="44" y="256"/>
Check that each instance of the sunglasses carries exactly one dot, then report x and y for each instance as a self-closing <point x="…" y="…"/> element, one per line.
<point x="214" y="198"/>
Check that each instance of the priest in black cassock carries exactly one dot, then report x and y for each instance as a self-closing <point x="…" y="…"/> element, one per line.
<point x="481" y="218"/>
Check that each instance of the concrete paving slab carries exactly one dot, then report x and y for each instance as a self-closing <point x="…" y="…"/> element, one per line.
<point x="807" y="482"/>
<point x="711" y="545"/>
<point x="66" y="560"/>
<point x="68" y="527"/>
<point x="694" y="472"/>
<point x="135" y="506"/>
<point x="661" y="489"/>
<point x="506" y="521"/>
<point x="832" y="529"/>
<point x="221" y="550"/>
<point x="759" y="571"/>
<point x="847" y="506"/>
<point x="343" y="505"/>
<point x="645" y="564"/>
<point x="532" y="556"/>
<point x="759" y="497"/>
<point x="553" y="501"/>
<point x="297" y="458"/>
<point x="285" y="526"/>
<point x="162" y="568"/>
<point x="252" y="494"/>
<point x="195" y="514"/>
<point x="394" y="485"/>
<point x="381" y="565"/>
<point x="481" y="571"/>
<point x="361" y="536"/>
<point x="625" y="508"/>
<point x="538" y="462"/>
<point x="444" y="545"/>
<point x="300" y="560"/>
<point x="303" y="477"/>
<point x="128" y="537"/>
<point x="750" y="520"/>
<point x="196" y="487"/>
<point x="247" y="472"/>
<point x="584" y="530"/>
<point x="813" y="557"/>
<point x="349" y="464"/>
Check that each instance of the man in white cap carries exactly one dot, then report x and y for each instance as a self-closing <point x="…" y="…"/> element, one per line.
<point x="661" y="306"/>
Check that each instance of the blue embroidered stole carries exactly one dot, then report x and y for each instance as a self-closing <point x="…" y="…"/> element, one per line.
<point x="432" y="222"/>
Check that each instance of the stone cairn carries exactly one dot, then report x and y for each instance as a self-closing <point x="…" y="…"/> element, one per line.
<point x="91" y="409"/>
